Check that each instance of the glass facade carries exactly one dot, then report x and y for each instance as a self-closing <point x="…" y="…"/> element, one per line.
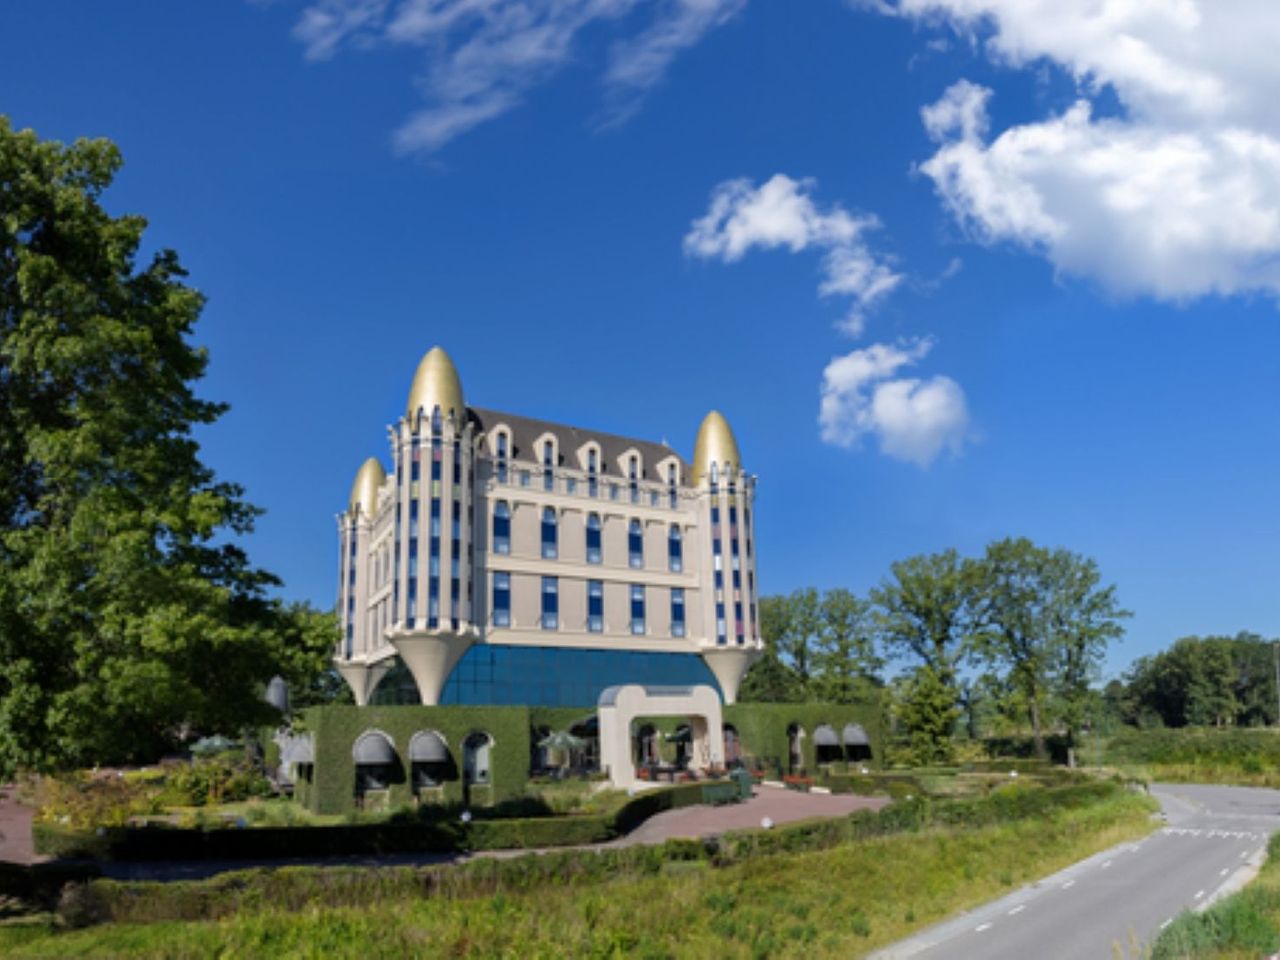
<point x="561" y="677"/>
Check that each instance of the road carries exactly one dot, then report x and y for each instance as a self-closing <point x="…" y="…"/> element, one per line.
<point x="1112" y="904"/>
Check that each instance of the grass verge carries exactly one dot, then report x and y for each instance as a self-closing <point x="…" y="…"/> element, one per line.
<point x="841" y="901"/>
<point x="1243" y="925"/>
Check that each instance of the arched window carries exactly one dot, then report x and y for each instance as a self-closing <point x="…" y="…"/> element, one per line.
<point x="430" y="762"/>
<point x="633" y="478"/>
<point x="635" y="544"/>
<point x="475" y="758"/>
<point x="593" y="470"/>
<point x="549" y="550"/>
<point x="548" y="464"/>
<point x="594" y="554"/>
<point x="675" y="550"/>
<point x="671" y="485"/>
<point x="501" y="527"/>
<point x="377" y="765"/>
<point x="826" y="744"/>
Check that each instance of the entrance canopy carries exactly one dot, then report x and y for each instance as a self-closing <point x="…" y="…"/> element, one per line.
<point x="619" y="706"/>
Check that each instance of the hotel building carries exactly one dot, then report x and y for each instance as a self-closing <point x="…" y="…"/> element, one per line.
<point x="511" y="561"/>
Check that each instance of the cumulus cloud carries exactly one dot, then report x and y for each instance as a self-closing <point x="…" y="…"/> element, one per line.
<point x="781" y="213"/>
<point x="1177" y="196"/>
<point x="912" y="419"/>
<point x="483" y="56"/>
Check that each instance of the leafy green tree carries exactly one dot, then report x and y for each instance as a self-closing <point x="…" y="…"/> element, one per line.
<point x="1044" y="619"/>
<point x="128" y="616"/>
<point x="845" y="663"/>
<point x="928" y="709"/>
<point x="305" y="639"/>
<point x="924" y="612"/>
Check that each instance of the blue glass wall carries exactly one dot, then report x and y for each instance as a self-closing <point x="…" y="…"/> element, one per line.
<point x="494" y="674"/>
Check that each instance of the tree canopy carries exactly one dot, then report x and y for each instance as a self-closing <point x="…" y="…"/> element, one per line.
<point x="128" y="613"/>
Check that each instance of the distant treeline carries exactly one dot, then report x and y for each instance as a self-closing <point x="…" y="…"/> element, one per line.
<point x="1199" y="681"/>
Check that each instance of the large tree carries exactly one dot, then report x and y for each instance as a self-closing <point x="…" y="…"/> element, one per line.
<point x="923" y="612"/>
<point x="128" y="615"/>
<point x="1044" y="620"/>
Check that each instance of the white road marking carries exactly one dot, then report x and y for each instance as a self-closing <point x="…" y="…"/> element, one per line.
<point x="1223" y="872"/>
<point x="1198" y="895"/>
<point x="1106" y="864"/>
<point x="1243" y="854"/>
<point x="980" y="928"/>
<point x="1018" y="909"/>
<point x="1166" y="923"/>
<point x="1069" y="883"/>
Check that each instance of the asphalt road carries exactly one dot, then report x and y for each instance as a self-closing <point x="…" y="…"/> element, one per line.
<point x="1110" y="905"/>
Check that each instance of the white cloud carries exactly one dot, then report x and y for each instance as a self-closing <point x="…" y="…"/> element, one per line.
<point x="1176" y="197"/>
<point x="781" y="213"/>
<point x="483" y="56"/>
<point x="914" y="420"/>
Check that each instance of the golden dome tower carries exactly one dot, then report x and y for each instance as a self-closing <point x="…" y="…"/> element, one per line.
<point x="364" y="491"/>
<point x="436" y="384"/>
<point x="715" y="445"/>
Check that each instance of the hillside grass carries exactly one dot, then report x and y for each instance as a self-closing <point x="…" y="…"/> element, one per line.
<point x="1240" y="757"/>
<point x="837" y="902"/>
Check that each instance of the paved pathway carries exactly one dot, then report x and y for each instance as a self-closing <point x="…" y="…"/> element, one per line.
<point x="1115" y="903"/>
<point x="15" y="828"/>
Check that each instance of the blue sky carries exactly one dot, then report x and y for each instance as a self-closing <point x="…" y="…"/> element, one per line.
<point x="953" y="269"/>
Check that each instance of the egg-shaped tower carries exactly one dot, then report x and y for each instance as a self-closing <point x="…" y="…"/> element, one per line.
<point x="430" y="587"/>
<point x="730" y="641"/>
<point x="361" y="658"/>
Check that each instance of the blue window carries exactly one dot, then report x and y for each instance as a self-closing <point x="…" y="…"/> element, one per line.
<point x="501" y="599"/>
<point x="593" y="484"/>
<point x="633" y="478"/>
<point x="671" y="485"/>
<point x="635" y="544"/>
<point x="502" y="458"/>
<point x="637" y="609"/>
<point x="715" y="479"/>
<point x="415" y="465"/>
<point x="593" y="538"/>
<point x="675" y="550"/>
<point x="595" y="606"/>
<point x="457" y="462"/>
<point x="524" y="478"/>
<point x="548" y="473"/>
<point x="549" y="533"/>
<point x="677" y="611"/>
<point x="550" y="603"/>
<point x="613" y="491"/>
<point x="570" y="486"/>
<point x="501" y="527"/>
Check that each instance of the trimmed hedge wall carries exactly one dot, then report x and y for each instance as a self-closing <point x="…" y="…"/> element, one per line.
<point x="296" y="888"/>
<point x="332" y="789"/>
<point x="397" y="835"/>
<point x="762" y="727"/>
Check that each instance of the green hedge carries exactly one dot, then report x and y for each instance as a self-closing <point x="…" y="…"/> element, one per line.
<point x="400" y="834"/>
<point x="296" y="888"/>
<point x="1232" y="747"/>
<point x="762" y="727"/>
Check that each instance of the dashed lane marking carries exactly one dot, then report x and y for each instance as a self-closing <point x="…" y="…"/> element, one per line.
<point x="1018" y="909"/>
<point x="1166" y="923"/>
<point x="982" y="927"/>
<point x="1199" y="894"/>
<point x="1068" y="884"/>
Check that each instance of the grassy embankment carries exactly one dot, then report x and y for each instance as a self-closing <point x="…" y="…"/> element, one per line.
<point x="837" y="902"/>
<point x="1245" y="757"/>
<point x="1243" y="926"/>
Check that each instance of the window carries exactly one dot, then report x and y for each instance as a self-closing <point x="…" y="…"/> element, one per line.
<point x="502" y="458"/>
<point x="613" y="491"/>
<point x="501" y="527"/>
<point x="593" y="538"/>
<point x="595" y="606"/>
<point x="550" y="603"/>
<point x="548" y="463"/>
<point x="633" y="478"/>
<point x="549" y="533"/>
<point x="675" y="550"/>
<point x="501" y="599"/>
<point x="635" y="544"/>
<point x="671" y="485"/>
<point x="475" y="758"/>
<point x="570" y="486"/>
<point x="677" y="611"/>
<point x="593" y="485"/>
<point x="637" y="609"/>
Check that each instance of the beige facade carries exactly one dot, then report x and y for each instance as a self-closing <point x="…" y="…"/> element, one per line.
<point x="494" y="528"/>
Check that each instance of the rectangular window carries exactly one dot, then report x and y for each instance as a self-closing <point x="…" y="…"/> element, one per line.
<point x="637" y="609"/>
<point x="677" y="611"/>
<point x="550" y="603"/>
<point x="501" y="599"/>
<point x="635" y="545"/>
<point x="613" y="491"/>
<point x="595" y="606"/>
<point x="524" y="478"/>
<point x="654" y="497"/>
<point x="570" y="486"/>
